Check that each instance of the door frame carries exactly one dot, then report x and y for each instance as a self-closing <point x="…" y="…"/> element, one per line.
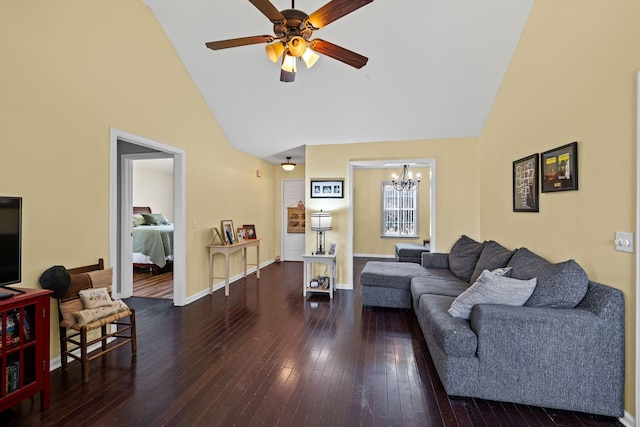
<point x="119" y="223"/>
<point x="283" y="211"/>
<point x="380" y="164"/>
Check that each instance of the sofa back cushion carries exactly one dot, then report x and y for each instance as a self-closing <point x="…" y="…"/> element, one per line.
<point x="561" y="285"/>
<point x="493" y="256"/>
<point x="464" y="256"/>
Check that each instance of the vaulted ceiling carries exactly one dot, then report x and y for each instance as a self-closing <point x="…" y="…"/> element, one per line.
<point x="434" y="70"/>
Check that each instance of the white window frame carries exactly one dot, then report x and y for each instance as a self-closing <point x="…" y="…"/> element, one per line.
<point x="406" y="215"/>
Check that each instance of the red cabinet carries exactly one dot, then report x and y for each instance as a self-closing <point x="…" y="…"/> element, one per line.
<point x="24" y="351"/>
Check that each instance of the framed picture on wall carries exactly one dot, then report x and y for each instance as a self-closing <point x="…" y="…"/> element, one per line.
<point x="525" y="184"/>
<point x="559" y="168"/>
<point x="327" y="188"/>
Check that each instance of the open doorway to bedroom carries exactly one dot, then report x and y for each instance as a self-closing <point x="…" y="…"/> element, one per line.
<point x="152" y="198"/>
<point x="125" y="149"/>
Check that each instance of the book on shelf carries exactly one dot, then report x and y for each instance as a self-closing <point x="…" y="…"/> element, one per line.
<point x="13" y="376"/>
<point x="12" y="330"/>
<point x="27" y="329"/>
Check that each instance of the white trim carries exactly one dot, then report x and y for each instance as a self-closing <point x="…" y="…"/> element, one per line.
<point x="377" y="164"/>
<point x="179" y="207"/>
<point x="637" y="290"/>
<point x="628" y="420"/>
<point x="373" y="256"/>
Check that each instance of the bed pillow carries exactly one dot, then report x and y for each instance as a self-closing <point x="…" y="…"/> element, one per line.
<point x="138" y="220"/>
<point x="492" y="288"/>
<point x="155" y="219"/>
<point x="463" y="257"/>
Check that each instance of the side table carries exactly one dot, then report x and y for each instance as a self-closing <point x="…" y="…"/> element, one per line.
<point x="309" y="260"/>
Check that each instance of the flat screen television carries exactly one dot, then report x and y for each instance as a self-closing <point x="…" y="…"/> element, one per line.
<point x="10" y="240"/>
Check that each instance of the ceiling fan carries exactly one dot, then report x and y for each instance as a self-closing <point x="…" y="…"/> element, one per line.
<point x="292" y="29"/>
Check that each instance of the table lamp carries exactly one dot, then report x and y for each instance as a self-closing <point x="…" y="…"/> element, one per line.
<point x="320" y="222"/>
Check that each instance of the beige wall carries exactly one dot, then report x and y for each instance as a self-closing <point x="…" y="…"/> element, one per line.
<point x="457" y="187"/>
<point x="367" y="200"/>
<point x="154" y="189"/>
<point x="572" y="78"/>
<point x="70" y="71"/>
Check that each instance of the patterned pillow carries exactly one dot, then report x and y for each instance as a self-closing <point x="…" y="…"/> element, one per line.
<point x="95" y="297"/>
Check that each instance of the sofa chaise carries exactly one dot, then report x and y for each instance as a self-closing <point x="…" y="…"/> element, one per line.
<point x="509" y="325"/>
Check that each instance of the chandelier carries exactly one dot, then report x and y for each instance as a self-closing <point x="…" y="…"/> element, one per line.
<point x="405" y="180"/>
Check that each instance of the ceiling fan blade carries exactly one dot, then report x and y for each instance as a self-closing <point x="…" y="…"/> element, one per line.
<point x="336" y="52"/>
<point x="333" y="10"/>
<point x="269" y="10"/>
<point x="242" y="41"/>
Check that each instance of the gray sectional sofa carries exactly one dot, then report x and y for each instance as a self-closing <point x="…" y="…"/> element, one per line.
<point x="509" y="325"/>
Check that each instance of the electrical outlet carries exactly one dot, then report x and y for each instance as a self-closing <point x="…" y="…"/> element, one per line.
<point x="624" y="241"/>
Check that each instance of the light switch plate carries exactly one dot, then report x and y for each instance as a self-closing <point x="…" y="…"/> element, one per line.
<point x="624" y="241"/>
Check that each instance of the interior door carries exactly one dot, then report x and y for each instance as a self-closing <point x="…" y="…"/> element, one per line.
<point x="292" y="243"/>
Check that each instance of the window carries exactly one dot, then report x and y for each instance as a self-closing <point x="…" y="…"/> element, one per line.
<point x="399" y="211"/>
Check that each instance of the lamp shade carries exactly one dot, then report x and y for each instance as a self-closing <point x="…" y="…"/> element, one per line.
<point x="274" y="50"/>
<point x="321" y="221"/>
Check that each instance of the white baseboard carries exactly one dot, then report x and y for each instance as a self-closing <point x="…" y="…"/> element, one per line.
<point x="628" y="420"/>
<point x="373" y="256"/>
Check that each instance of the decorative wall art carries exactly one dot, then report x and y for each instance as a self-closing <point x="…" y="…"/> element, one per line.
<point x="295" y="220"/>
<point x="559" y="168"/>
<point x="327" y="188"/>
<point x="525" y="184"/>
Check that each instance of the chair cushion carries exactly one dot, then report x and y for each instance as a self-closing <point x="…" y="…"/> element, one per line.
<point x="463" y="257"/>
<point x="86" y="316"/>
<point x="67" y="309"/>
<point x="493" y="256"/>
<point x="561" y="285"/>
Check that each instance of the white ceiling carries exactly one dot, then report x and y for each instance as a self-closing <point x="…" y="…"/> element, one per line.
<point x="434" y="69"/>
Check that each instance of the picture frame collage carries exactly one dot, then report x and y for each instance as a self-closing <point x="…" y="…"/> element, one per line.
<point x="551" y="171"/>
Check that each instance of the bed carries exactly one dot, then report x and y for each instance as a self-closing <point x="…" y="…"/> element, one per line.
<point x="152" y="239"/>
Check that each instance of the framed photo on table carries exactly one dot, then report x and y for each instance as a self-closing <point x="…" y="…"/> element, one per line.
<point x="327" y="188"/>
<point x="560" y="168"/>
<point x="250" y="231"/>
<point x="228" y="231"/>
<point x="525" y="184"/>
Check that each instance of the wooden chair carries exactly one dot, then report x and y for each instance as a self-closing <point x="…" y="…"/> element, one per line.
<point x="73" y="334"/>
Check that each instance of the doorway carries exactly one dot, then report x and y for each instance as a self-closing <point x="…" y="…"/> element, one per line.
<point x="124" y="148"/>
<point x="293" y="244"/>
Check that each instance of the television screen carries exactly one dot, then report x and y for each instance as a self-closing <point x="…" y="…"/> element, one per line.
<point x="10" y="239"/>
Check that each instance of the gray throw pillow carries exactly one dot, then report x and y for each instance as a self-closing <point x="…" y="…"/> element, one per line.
<point x="463" y="257"/>
<point x="493" y="256"/>
<point x="561" y="285"/>
<point x="492" y="288"/>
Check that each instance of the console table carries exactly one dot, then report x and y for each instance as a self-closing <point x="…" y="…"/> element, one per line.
<point x="228" y="250"/>
<point x="309" y="260"/>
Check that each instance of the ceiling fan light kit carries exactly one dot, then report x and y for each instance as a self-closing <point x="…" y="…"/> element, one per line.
<point x="292" y="29"/>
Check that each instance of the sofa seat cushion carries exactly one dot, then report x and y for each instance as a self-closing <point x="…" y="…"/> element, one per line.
<point x="493" y="256"/>
<point x="561" y="285"/>
<point x="436" y="286"/>
<point x="390" y="274"/>
<point x="451" y="334"/>
<point x="463" y="257"/>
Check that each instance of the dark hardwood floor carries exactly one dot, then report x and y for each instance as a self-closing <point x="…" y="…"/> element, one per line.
<point x="265" y="356"/>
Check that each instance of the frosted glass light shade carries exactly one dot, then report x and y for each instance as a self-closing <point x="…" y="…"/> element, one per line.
<point x="321" y="221"/>
<point x="289" y="64"/>
<point x="310" y="57"/>
<point x="274" y="51"/>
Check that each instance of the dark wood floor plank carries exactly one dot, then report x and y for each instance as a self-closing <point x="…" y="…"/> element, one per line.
<point x="267" y="356"/>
